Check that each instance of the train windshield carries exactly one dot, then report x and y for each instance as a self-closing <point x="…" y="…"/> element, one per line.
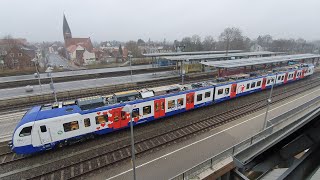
<point x="25" y="131"/>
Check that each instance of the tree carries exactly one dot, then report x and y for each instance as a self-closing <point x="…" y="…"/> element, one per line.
<point x="10" y="41"/>
<point x="196" y="43"/>
<point x="230" y="35"/>
<point x="186" y="41"/>
<point x="140" y="42"/>
<point x="120" y="51"/>
<point x="208" y="43"/>
<point x="265" y="41"/>
<point x="133" y="47"/>
<point x="192" y="43"/>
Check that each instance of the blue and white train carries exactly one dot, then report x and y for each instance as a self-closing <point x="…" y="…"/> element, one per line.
<point x="48" y="126"/>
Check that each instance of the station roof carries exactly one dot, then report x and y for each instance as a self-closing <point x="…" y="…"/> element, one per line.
<point x="189" y="53"/>
<point x="219" y="56"/>
<point x="258" y="61"/>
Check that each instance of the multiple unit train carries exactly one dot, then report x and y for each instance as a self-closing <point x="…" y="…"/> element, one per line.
<point x="47" y="126"/>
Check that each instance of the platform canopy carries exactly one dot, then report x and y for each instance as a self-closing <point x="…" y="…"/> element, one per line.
<point x="189" y="53"/>
<point x="259" y="61"/>
<point x="220" y="56"/>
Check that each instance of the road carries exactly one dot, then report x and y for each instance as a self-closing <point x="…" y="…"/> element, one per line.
<point x="56" y="60"/>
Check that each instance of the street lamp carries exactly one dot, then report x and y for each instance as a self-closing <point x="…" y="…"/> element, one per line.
<point x="35" y="60"/>
<point x="128" y="109"/>
<point x="130" y="56"/>
<point x="268" y="105"/>
<point x="48" y="71"/>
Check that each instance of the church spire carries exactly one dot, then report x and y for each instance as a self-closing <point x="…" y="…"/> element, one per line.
<point x="66" y="29"/>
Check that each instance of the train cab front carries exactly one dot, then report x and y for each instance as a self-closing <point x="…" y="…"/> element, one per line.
<point x="22" y="136"/>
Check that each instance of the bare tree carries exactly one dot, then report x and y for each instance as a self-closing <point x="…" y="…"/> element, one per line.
<point x="10" y="42"/>
<point x="120" y="51"/>
<point x="187" y="42"/>
<point x="196" y="42"/>
<point x="208" y="43"/>
<point x="265" y="41"/>
<point x="229" y="35"/>
<point x="192" y="43"/>
<point x="134" y="48"/>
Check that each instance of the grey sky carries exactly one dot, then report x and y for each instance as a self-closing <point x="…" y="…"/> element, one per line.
<point x="41" y="20"/>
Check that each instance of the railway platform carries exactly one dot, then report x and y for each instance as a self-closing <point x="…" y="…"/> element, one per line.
<point x="24" y="80"/>
<point x="177" y="158"/>
<point x="83" y="84"/>
<point x="75" y="73"/>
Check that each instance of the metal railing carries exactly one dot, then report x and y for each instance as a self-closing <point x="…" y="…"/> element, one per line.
<point x="230" y="152"/>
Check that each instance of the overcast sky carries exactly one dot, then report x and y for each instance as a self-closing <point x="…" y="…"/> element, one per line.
<point x="41" y="20"/>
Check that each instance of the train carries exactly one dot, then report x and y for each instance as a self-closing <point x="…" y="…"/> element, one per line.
<point x="62" y="123"/>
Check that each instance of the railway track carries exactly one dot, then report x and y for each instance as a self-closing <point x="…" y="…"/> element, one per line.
<point x="110" y="154"/>
<point x="9" y="157"/>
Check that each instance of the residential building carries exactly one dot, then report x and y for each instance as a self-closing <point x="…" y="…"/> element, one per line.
<point x="18" y="58"/>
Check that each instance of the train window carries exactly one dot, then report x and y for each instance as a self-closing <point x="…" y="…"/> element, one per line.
<point x="279" y="77"/>
<point x="282" y="78"/>
<point x="220" y="91"/>
<point x="25" y="131"/>
<point x="226" y="91"/>
<point x="69" y="109"/>
<point x="87" y="122"/>
<point x="70" y="126"/>
<point x="146" y="110"/>
<point x="199" y="97"/>
<point x="248" y="86"/>
<point x="43" y="128"/>
<point x="207" y="94"/>
<point x="171" y="104"/>
<point x="123" y="115"/>
<point x="135" y="113"/>
<point x="268" y="82"/>
<point x="162" y="105"/>
<point x="258" y="83"/>
<point x="116" y="117"/>
<point x="180" y="102"/>
<point x="253" y="84"/>
<point x="156" y="106"/>
<point x="101" y="119"/>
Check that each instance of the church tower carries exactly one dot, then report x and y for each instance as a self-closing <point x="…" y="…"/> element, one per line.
<point x="66" y="29"/>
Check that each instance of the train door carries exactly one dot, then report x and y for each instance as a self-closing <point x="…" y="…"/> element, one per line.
<point x="116" y="118"/>
<point x="264" y="81"/>
<point x="285" y="78"/>
<point x="233" y="92"/>
<point x="190" y="101"/>
<point x="44" y="134"/>
<point x="295" y="75"/>
<point x="302" y="73"/>
<point x="159" y="108"/>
